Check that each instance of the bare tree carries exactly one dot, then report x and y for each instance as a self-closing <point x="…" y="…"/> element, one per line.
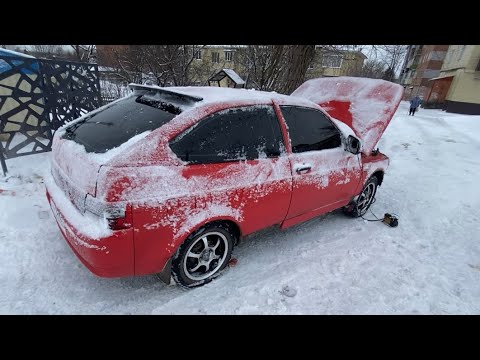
<point x="298" y="59"/>
<point x="172" y="64"/>
<point x="394" y="55"/>
<point x="130" y="62"/>
<point x="166" y="65"/>
<point x="391" y="56"/>
<point x="373" y="69"/>
<point x="47" y="51"/>
<point x="280" y="68"/>
<point x="84" y="53"/>
<point x="262" y="64"/>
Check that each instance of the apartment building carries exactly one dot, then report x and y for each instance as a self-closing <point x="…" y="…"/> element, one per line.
<point x="457" y="87"/>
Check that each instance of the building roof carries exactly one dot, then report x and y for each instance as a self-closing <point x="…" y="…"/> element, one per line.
<point x="344" y="51"/>
<point x="230" y="73"/>
<point x="441" y="77"/>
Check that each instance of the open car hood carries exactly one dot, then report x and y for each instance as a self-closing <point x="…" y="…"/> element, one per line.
<point x="366" y="105"/>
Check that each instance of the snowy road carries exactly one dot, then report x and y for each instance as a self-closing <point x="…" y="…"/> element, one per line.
<point x="329" y="265"/>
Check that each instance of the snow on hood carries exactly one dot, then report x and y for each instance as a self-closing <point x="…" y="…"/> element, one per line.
<point x="366" y="105"/>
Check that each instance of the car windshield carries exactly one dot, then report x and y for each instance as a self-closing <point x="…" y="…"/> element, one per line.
<point x="120" y="122"/>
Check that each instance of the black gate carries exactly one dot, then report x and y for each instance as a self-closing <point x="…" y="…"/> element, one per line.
<point x="39" y="96"/>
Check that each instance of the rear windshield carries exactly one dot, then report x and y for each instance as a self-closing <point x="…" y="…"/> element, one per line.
<point x="120" y="122"/>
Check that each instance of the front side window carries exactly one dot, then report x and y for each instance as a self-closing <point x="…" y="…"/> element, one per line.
<point x="310" y="129"/>
<point x="245" y="133"/>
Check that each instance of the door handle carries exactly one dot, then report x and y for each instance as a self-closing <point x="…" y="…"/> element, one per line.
<point x="302" y="168"/>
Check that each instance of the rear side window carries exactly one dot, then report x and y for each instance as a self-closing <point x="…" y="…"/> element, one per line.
<point x="120" y="122"/>
<point x="310" y="129"/>
<point x="245" y="133"/>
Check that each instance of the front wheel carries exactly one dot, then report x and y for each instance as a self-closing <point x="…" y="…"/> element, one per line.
<point x="203" y="255"/>
<point x="365" y="199"/>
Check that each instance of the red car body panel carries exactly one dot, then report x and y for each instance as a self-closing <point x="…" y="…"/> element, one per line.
<point x="261" y="200"/>
<point x="167" y="200"/>
<point x="110" y="256"/>
<point x="373" y="164"/>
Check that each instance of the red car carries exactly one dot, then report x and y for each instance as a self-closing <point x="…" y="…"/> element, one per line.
<point x="167" y="180"/>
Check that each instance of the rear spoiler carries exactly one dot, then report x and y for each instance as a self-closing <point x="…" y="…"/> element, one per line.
<point x="143" y="89"/>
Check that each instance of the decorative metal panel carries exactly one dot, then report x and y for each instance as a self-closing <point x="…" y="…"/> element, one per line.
<point x="39" y="96"/>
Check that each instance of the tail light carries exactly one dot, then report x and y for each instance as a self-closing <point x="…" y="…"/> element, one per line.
<point x="119" y="218"/>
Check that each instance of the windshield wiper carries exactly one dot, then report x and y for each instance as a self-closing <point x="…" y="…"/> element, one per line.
<point x="72" y="128"/>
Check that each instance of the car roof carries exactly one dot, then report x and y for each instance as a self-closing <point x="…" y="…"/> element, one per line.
<point x="215" y="95"/>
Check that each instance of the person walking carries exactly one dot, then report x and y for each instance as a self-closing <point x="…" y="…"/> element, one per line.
<point x="414" y="104"/>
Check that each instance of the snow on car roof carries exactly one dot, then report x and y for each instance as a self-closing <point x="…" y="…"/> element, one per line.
<point x="213" y="94"/>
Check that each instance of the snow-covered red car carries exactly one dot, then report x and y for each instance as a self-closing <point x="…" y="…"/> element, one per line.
<point x="167" y="180"/>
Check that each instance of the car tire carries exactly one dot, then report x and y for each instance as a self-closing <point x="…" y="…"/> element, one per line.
<point x="203" y="255"/>
<point x="364" y="200"/>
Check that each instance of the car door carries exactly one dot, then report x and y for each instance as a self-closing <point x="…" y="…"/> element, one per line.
<point x="325" y="176"/>
<point x="237" y="165"/>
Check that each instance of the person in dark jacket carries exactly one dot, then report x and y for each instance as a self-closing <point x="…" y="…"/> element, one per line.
<point x="414" y="104"/>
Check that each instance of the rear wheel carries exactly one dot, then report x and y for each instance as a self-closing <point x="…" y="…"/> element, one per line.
<point x="203" y="255"/>
<point x="364" y="200"/>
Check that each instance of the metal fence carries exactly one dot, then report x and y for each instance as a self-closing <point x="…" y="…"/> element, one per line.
<point x="37" y="97"/>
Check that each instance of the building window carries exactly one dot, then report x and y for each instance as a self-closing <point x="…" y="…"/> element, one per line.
<point x="215" y="57"/>
<point x="332" y="60"/>
<point x="228" y="55"/>
<point x="436" y="55"/>
<point x="429" y="73"/>
<point x="197" y="54"/>
<point x="311" y="66"/>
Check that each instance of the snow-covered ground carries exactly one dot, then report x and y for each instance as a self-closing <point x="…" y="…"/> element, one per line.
<point x="329" y="265"/>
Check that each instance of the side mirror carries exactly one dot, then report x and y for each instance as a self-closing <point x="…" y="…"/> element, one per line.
<point x="353" y="145"/>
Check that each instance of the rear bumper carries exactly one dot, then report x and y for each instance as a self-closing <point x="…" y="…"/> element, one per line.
<point x="109" y="256"/>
